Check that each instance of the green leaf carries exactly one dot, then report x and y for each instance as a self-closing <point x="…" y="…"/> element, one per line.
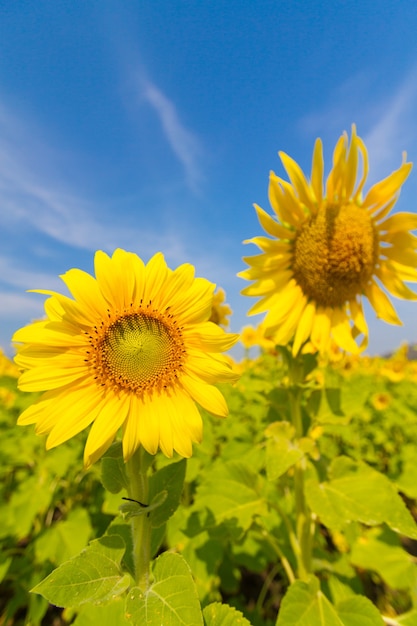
<point x="169" y="479"/>
<point x="231" y="493"/>
<point x="282" y="452"/>
<point x="382" y="552"/>
<point x="359" y="611"/>
<point x="171" y="599"/>
<point x="32" y="497"/>
<point x="65" y="538"/>
<point x="93" y="576"/>
<point x="113" y="469"/>
<point x="358" y="493"/>
<point x="217" y="614"/>
<point x="124" y="531"/>
<point x="305" y="605"/>
<point x="112" y="614"/>
<point x="407" y="481"/>
<point x="407" y="619"/>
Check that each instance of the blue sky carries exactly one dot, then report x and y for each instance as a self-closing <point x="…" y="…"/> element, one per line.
<point x="153" y="125"/>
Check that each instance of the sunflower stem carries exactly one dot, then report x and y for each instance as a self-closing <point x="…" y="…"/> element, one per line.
<point x="304" y="526"/>
<point x="137" y="468"/>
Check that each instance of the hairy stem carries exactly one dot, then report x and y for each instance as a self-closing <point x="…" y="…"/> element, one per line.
<point x="137" y="468"/>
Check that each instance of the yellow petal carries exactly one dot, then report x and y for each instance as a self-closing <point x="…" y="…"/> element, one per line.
<point x="142" y="427"/>
<point x="296" y="176"/>
<point x="208" y="336"/>
<point x="399" y="222"/>
<point x="85" y="290"/>
<point x="283" y="201"/>
<point x="393" y="284"/>
<point x="112" y="415"/>
<point x="342" y="333"/>
<point x="317" y="170"/>
<point x="78" y="408"/>
<point x="304" y="327"/>
<point x="351" y="165"/>
<point x="44" y="378"/>
<point x="382" y="304"/>
<point x="320" y="332"/>
<point x="207" y="396"/>
<point x="358" y="317"/>
<point x="389" y="186"/>
<point x="271" y="226"/>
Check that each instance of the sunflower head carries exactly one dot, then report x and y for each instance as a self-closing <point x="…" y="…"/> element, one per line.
<point x="220" y="310"/>
<point x="328" y="246"/>
<point x="133" y="349"/>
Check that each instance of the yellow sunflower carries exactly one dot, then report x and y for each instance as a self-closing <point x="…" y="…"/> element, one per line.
<point x="220" y="310"/>
<point x="134" y="350"/>
<point x="330" y="247"/>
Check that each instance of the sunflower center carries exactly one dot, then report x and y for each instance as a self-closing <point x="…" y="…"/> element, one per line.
<point x="335" y="254"/>
<point x="140" y="352"/>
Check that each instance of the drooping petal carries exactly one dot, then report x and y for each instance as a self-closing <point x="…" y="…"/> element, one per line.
<point x="208" y="396"/>
<point x="382" y="304"/>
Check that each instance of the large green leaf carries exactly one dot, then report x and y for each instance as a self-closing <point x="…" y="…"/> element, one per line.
<point x="217" y="614"/>
<point x="356" y="492"/>
<point x="171" y="599"/>
<point x="112" y="614"/>
<point x="305" y="605"/>
<point x="359" y="611"/>
<point x="94" y="576"/>
<point x="382" y="552"/>
<point x="231" y="493"/>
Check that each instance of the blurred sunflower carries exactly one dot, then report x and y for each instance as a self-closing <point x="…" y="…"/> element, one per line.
<point x="329" y="248"/>
<point x="220" y="310"/>
<point x="134" y="350"/>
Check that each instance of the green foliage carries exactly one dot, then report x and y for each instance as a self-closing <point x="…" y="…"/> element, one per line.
<point x="228" y="527"/>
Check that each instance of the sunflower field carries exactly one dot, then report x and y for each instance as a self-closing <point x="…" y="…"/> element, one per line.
<point x="224" y="543"/>
<point x="157" y="481"/>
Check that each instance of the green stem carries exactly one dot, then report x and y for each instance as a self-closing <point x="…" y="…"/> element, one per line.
<point x="304" y="527"/>
<point x="137" y="468"/>
<point x="265" y="534"/>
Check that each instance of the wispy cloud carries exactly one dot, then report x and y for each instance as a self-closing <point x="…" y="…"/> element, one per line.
<point x="26" y="278"/>
<point x="34" y="196"/>
<point x="395" y="128"/>
<point x="17" y="306"/>
<point x="184" y="143"/>
<point x="387" y="122"/>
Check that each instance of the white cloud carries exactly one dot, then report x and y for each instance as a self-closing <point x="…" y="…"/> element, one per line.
<point x="185" y="144"/>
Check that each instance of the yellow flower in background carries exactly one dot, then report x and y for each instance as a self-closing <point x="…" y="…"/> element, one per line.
<point x="134" y="350"/>
<point x="7" y="367"/>
<point x="380" y="401"/>
<point x="220" y="311"/>
<point x="249" y="337"/>
<point x="330" y="247"/>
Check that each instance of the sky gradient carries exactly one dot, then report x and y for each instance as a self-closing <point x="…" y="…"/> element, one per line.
<point x="153" y="125"/>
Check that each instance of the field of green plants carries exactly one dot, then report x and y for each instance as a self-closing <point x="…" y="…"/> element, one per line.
<point x="236" y="537"/>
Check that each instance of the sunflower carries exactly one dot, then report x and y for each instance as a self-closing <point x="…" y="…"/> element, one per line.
<point x="133" y="349"/>
<point x="220" y="310"/>
<point x="328" y="248"/>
